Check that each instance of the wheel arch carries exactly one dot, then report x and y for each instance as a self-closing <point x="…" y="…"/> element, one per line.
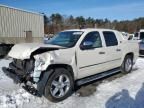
<point x="46" y="74"/>
<point x="130" y="54"/>
<point x="66" y="66"/>
<point x="127" y="54"/>
<point x="123" y="69"/>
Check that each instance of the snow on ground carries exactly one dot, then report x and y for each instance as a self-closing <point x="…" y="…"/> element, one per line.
<point x="5" y="82"/>
<point x="123" y="92"/>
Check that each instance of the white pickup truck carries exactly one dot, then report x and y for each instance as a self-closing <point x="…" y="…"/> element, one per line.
<point x="70" y="59"/>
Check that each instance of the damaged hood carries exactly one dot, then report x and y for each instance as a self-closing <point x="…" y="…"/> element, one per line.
<point x="24" y="50"/>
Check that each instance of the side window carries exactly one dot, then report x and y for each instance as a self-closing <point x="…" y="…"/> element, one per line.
<point x="93" y="37"/>
<point x="110" y="38"/>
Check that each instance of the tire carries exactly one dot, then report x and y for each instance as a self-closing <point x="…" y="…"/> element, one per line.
<point x="60" y="79"/>
<point x="127" y="64"/>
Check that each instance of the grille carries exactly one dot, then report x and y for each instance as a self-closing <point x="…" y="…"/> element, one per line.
<point x="25" y="65"/>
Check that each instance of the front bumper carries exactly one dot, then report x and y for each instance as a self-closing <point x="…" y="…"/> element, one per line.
<point x="18" y="79"/>
<point x="17" y="72"/>
<point x="20" y="72"/>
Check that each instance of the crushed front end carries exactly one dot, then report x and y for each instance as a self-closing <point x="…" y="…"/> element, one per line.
<point x="22" y="71"/>
<point x="29" y="65"/>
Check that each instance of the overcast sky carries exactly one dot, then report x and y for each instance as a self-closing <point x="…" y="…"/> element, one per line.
<point x="111" y="9"/>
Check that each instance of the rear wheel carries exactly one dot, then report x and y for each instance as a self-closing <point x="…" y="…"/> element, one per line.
<point x="59" y="85"/>
<point x="127" y="64"/>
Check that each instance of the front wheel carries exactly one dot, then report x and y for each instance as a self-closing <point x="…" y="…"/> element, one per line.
<point x="127" y="64"/>
<point x="59" y="85"/>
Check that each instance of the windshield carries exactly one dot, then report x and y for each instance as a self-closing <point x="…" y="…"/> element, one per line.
<point x="66" y="39"/>
<point x="141" y="35"/>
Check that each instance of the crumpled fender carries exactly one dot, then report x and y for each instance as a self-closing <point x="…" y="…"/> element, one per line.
<point x="50" y="58"/>
<point x="46" y="59"/>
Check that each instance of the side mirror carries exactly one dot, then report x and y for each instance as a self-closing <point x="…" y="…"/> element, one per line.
<point x="86" y="45"/>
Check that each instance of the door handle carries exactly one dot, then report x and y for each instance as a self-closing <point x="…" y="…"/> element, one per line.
<point x="118" y="49"/>
<point x="101" y="52"/>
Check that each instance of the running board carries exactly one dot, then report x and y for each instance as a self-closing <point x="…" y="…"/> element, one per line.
<point x="97" y="76"/>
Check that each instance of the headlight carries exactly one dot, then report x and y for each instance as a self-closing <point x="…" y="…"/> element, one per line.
<point x="42" y="61"/>
<point x="39" y="63"/>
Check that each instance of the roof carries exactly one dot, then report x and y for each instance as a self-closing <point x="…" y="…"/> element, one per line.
<point x="141" y="30"/>
<point x="21" y="10"/>
<point x="91" y="29"/>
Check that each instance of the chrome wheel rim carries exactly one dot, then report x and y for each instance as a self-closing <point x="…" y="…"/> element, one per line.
<point x="60" y="86"/>
<point x="128" y="64"/>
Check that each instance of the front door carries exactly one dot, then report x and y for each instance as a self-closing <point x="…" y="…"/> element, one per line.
<point x="91" y="55"/>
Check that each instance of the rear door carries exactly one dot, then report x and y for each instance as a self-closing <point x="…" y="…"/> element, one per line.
<point x="112" y="50"/>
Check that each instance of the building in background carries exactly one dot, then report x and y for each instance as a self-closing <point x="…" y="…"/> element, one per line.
<point x="17" y="25"/>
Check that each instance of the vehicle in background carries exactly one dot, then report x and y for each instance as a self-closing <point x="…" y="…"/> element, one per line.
<point x="47" y="37"/>
<point x="70" y="59"/>
<point x="140" y="36"/>
<point x="131" y="36"/>
<point x="141" y="47"/>
<point x="19" y="26"/>
<point x="125" y="35"/>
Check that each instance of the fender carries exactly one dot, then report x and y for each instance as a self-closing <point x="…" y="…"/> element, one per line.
<point x="42" y="83"/>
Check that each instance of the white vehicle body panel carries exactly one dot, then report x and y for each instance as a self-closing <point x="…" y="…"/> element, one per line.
<point x="88" y="61"/>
